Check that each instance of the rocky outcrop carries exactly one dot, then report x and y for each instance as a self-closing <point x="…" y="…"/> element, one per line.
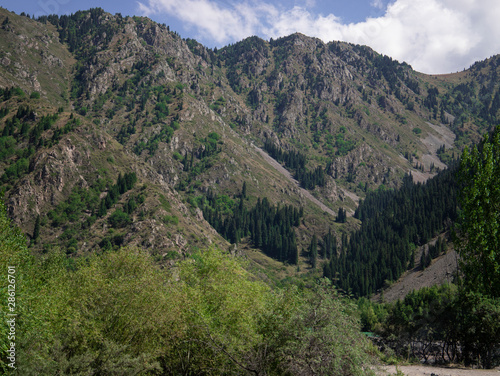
<point x="54" y="173"/>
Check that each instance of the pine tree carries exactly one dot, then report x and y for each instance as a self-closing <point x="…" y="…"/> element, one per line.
<point x="313" y="251"/>
<point x="244" y="190"/>
<point x="341" y="216"/>
<point x="102" y="208"/>
<point x="36" y="231"/>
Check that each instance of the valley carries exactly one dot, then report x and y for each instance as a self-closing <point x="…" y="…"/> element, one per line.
<point x="295" y="171"/>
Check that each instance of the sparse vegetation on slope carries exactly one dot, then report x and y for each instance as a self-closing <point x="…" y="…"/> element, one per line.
<point x="122" y="145"/>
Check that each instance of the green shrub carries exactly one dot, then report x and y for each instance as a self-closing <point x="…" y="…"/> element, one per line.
<point x="171" y="219"/>
<point x="119" y="219"/>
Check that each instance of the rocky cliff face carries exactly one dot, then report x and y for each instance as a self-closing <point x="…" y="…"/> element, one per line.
<point x="183" y="118"/>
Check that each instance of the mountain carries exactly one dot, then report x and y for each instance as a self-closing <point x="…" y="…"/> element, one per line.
<point x="116" y="131"/>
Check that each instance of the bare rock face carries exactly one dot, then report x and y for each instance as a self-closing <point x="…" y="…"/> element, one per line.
<point x="330" y="191"/>
<point x="363" y="164"/>
<point x="31" y="56"/>
<point x="54" y="172"/>
<point x="6" y="61"/>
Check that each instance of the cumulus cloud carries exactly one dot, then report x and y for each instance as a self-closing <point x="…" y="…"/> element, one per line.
<point x="213" y="21"/>
<point x="434" y="36"/>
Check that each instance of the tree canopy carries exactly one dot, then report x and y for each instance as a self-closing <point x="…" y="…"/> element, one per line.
<point x="479" y="231"/>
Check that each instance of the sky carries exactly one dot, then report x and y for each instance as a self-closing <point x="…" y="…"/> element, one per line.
<point x="433" y="36"/>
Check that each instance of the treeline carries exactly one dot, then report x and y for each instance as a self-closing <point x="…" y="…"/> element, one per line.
<point x="327" y="248"/>
<point x="15" y="133"/>
<point x="433" y="251"/>
<point x="296" y="161"/>
<point x="73" y="29"/>
<point x="206" y="149"/>
<point x="85" y="33"/>
<point x="393" y="224"/>
<point x="310" y="179"/>
<point x="292" y="159"/>
<point x="396" y="74"/>
<point x="270" y="228"/>
<point x="438" y="325"/>
<point x="458" y="323"/>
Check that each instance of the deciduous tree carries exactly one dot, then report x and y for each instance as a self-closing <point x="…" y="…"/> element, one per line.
<point x="479" y="231"/>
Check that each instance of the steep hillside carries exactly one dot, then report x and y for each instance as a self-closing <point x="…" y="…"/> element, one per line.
<point x="117" y="131"/>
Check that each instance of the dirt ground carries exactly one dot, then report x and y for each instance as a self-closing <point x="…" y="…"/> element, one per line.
<point x="434" y="371"/>
<point x="440" y="271"/>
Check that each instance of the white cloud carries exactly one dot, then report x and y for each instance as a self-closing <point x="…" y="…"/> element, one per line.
<point x="217" y="23"/>
<point x="377" y="4"/>
<point x="434" y="36"/>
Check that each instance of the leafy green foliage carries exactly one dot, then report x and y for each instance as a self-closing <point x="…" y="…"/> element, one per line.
<point x="119" y="219"/>
<point x="218" y="104"/>
<point x="123" y="184"/>
<point x="118" y="313"/>
<point x="15" y="170"/>
<point x="343" y="146"/>
<point x="440" y="324"/>
<point x="479" y="242"/>
<point x="82" y="27"/>
<point x="292" y="159"/>
<point x="171" y="219"/>
<point x="70" y="126"/>
<point x="313" y="251"/>
<point x="165" y="135"/>
<point x="21" y="139"/>
<point x="79" y="201"/>
<point x="7" y="144"/>
<point x="315" y="334"/>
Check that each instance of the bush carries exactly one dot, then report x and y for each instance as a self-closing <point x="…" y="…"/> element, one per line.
<point x="314" y="332"/>
<point x="83" y="111"/>
<point x="171" y="219"/>
<point x="119" y="219"/>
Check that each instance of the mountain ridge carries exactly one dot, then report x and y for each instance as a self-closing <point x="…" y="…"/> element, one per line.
<point x="183" y="118"/>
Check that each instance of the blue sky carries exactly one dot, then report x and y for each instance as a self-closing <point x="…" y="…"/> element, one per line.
<point x="434" y="36"/>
